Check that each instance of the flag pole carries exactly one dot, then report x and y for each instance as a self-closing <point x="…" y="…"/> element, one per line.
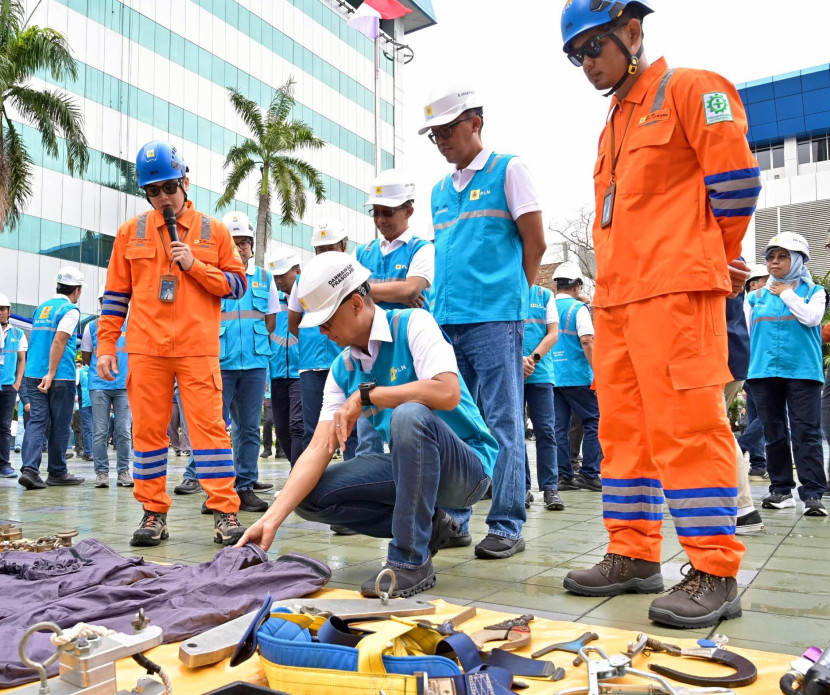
<point x="378" y="151"/>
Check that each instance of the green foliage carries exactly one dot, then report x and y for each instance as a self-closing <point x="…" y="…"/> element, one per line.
<point x="824" y="281"/>
<point x="23" y="51"/>
<point x="272" y="151"/>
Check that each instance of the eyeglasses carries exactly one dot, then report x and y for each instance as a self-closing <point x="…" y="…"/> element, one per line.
<point x="386" y="212"/>
<point x="591" y="48"/>
<point x="169" y="187"/>
<point x="445" y="132"/>
<point x="779" y="256"/>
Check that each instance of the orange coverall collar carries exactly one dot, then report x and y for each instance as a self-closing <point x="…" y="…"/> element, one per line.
<point x="643" y="84"/>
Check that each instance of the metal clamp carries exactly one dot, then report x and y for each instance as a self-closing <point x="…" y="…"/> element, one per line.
<point x="393" y="582"/>
<point x="39" y="666"/>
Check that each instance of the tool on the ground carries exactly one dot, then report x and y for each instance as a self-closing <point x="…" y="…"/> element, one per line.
<point x="516" y="632"/>
<point x="11" y="538"/>
<point x="605" y="669"/>
<point x="87" y="655"/>
<point x="811" y="672"/>
<point x="573" y="647"/>
<point x="10" y="532"/>
<point x="219" y="643"/>
<point x="711" y="650"/>
<point x="450" y="625"/>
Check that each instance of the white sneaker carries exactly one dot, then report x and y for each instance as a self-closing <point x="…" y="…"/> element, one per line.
<point x="102" y="480"/>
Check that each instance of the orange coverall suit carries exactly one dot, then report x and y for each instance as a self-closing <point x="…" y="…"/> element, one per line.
<point x="173" y="340"/>
<point x="686" y="187"/>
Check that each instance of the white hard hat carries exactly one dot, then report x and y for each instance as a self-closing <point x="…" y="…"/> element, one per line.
<point x="567" y="271"/>
<point x="70" y="276"/>
<point x="4" y="300"/>
<point x="445" y="107"/>
<point x="758" y="270"/>
<point x="391" y="188"/>
<point x="326" y="280"/>
<point x="328" y="231"/>
<point x="790" y="241"/>
<point x="281" y="262"/>
<point x="239" y="224"/>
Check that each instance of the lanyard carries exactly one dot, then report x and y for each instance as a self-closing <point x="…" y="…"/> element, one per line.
<point x="615" y="152"/>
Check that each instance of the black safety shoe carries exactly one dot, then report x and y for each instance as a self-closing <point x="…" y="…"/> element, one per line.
<point x="567" y="484"/>
<point x="65" y="479"/>
<point x="339" y="530"/>
<point x="615" y="575"/>
<point x="249" y="502"/>
<point x="814" y="507"/>
<point x="584" y="482"/>
<point x="265" y="454"/>
<point x="699" y="600"/>
<point x="758" y="473"/>
<point x="407" y="582"/>
<point x="188" y="486"/>
<point x="498" y="547"/>
<point x="446" y="533"/>
<point x="226" y="528"/>
<point x="751" y="522"/>
<point x="152" y="530"/>
<point x="263" y="487"/>
<point x="31" y="480"/>
<point x="528" y="499"/>
<point x="553" y="501"/>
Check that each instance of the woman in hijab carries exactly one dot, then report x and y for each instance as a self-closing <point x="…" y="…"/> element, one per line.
<point x="786" y="373"/>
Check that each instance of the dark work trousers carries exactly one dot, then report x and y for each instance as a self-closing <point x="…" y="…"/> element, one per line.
<point x="825" y="412"/>
<point x="575" y="436"/>
<point x="312" y="383"/>
<point x="776" y="398"/>
<point x="8" y="396"/>
<point x="752" y="438"/>
<point x="287" y="410"/>
<point x="267" y="427"/>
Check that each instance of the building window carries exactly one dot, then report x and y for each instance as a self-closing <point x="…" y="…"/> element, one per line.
<point x="814" y="149"/>
<point x="778" y="156"/>
<point x="764" y="158"/>
<point x="770" y="156"/>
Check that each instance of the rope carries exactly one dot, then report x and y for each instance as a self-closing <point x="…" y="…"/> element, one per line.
<point x="80" y="630"/>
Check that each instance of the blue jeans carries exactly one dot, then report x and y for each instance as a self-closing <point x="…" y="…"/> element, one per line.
<point x="56" y="407"/>
<point x="104" y="400"/>
<point x="86" y="429"/>
<point x="395" y="495"/>
<point x="21" y="427"/>
<point x="311" y="389"/>
<point x="800" y="399"/>
<point x="242" y="393"/>
<point x="369" y="440"/>
<point x="490" y="362"/>
<point x="582" y="401"/>
<point x="752" y="439"/>
<point x="539" y="400"/>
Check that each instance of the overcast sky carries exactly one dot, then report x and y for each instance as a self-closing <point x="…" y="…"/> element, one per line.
<point x="540" y="107"/>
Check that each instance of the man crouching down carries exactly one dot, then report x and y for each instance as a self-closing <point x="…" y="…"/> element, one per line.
<point x="398" y="370"/>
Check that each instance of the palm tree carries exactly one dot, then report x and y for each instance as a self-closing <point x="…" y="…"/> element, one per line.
<point x="272" y="150"/>
<point x="23" y="51"/>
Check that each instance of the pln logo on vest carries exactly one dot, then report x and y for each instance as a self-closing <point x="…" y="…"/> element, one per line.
<point x="393" y="373"/>
<point x="401" y="266"/>
<point x="478" y="193"/>
<point x="44" y="313"/>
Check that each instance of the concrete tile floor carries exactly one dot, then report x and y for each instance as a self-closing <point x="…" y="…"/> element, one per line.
<point x="784" y="580"/>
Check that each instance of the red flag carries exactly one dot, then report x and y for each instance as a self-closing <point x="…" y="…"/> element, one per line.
<point x="389" y="9"/>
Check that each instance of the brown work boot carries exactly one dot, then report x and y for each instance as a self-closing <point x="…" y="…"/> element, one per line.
<point x="616" y="575"/>
<point x="226" y="528"/>
<point x="152" y="530"/>
<point x="699" y="600"/>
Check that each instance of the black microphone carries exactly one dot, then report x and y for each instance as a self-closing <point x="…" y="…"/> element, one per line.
<point x="170" y="222"/>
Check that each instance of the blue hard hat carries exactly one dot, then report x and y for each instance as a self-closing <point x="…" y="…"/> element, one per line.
<point x="582" y="15"/>
<point x="159" y="161"/>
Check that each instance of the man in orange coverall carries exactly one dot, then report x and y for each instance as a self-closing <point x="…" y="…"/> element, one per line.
<point x="676" y="185"/>
<point x="173" y="290"/>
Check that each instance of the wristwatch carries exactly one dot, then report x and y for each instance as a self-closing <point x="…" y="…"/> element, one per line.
<point x="365" y="389"/>
<point x="536" y="357"/>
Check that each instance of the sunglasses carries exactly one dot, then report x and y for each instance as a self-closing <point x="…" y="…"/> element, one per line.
<point x="385" y="212"/>
<point x="445" y="132"/>
<point x="169" y="187"/>
<point x="591" y="48"/>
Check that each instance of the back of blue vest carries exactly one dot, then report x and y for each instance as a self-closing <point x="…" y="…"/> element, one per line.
<point x="536" y="328"/>
<point x="395" y="366"/>
<point x="8" y="370"/>
<point x="44" y="326"/>
<point x="570" y="366"/>
<point x="285" y="355"/>
<point x="394" y="266"/>
<point x="478" y="251"/>
<point x="243" y="336"/>
<point x="96" y="383"/>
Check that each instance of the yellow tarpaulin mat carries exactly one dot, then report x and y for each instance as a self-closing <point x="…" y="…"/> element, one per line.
<point x="187" y="681"/>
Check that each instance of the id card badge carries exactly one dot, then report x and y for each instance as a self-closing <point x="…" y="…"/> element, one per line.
<point x="167" y="288"/>
<point x="608" y="205"/>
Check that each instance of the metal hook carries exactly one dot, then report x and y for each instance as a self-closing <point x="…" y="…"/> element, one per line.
<point x="39" y="666"/>
<point x="393" y="582"/>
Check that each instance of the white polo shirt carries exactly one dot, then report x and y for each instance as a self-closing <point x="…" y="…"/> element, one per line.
<point x="432" y="354"/>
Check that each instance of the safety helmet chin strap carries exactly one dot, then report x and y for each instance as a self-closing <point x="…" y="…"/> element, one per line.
<point x="633" y="63"/>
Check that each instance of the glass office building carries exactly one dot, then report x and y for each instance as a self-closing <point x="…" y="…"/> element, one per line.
<point x="149" y="69"/>
<point x="789" y="131"/>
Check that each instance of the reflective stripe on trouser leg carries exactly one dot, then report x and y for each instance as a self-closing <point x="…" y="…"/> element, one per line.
<point x="150" y="391"/>
<point x="675" y="380"/>
<point x="200" y="389"/>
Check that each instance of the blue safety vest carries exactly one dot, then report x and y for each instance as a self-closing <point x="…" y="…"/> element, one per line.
<point x="394" y="366"/>
<point x="8" y="370"/>
<point x="478" y="251"/>
<point x="285" y="357"/>
<point x="570" y="367"/>
<point x="83" y="382"/>
<point x="316" y="350"/>
<point x="243" y="335"/>
<point x="392" y="267"/>
<point x="96" y="383"/>
<point x="44" y="326"/>
<point x="779" y="344"/>
<point x="536" y="328"/>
